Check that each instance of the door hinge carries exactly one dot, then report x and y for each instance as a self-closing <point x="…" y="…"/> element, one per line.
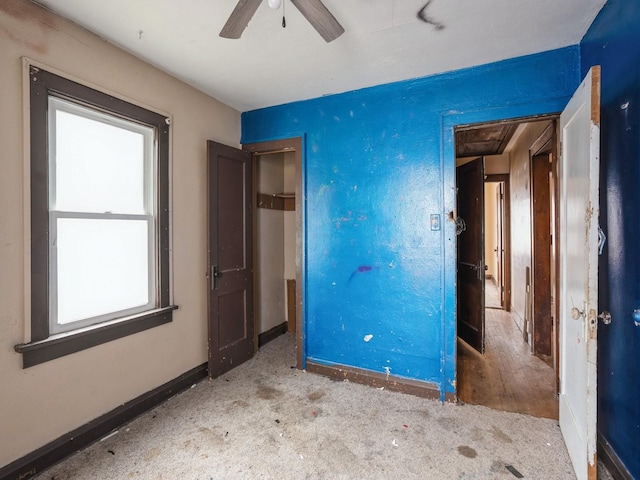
<point x="602" y="239"/>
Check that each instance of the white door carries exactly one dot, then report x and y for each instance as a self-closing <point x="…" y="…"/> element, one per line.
<point x="579" y="211"/>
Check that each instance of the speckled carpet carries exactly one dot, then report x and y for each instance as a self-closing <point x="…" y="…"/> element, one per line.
<point x="266" y="420"/>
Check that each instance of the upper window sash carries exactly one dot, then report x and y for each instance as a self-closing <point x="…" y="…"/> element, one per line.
<point x="130" y="179"/>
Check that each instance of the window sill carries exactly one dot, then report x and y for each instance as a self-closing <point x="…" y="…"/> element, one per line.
<point x="57" y="346"/>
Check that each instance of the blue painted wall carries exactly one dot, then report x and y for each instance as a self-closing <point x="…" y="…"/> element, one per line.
<point x="613" y="41"/>
<point x="378" y="162"/>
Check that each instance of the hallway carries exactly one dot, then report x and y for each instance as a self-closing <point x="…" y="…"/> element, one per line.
<point x="507" y="377"/>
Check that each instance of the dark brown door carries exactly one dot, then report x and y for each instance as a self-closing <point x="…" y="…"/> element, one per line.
<point x="471" y="266"/>
<point x="231" y="327"/>
<point x="541" y="234"/>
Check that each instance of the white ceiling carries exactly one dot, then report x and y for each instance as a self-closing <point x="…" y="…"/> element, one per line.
<point x="384" y="41"/>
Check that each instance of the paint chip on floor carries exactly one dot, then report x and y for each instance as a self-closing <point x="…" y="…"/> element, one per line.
<point x="515" y="472"/>
<point x="368" y="337"/>
<point x="115" y="432"/>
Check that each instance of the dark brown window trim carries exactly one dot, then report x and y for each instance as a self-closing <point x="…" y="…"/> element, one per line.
<point x="42" y="346"/>
<point x="57" y="346"/>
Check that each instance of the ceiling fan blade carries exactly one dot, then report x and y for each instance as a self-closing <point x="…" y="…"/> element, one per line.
<point x="239" y="18"/>
<point x="320" y="18"/>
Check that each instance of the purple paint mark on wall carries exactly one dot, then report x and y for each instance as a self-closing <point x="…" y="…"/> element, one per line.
<point x="361" y="269"/>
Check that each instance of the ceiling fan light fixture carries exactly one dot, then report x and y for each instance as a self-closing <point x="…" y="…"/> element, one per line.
<point x="316" y="13"/>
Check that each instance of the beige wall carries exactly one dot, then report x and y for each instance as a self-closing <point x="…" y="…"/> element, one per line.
<point x="520" y="185"/>
<point x="276" y="245"/>
<point x="290" y="218"/>
<point x="490" y="228"/>
<point x="43" y="402"/>
<point x="270" y="245"/>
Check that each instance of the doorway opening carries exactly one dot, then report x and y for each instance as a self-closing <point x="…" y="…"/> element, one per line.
<point x="497" y="240"/>
<point x="506" y="259"/>
<point x="277" y="240"/>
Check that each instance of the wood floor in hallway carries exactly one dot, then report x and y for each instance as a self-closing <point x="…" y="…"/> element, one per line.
<point x="507" y="377"/>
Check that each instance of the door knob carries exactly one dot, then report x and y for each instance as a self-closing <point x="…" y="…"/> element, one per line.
<point x="605" y="317"/>
<point x="576" y="314"/>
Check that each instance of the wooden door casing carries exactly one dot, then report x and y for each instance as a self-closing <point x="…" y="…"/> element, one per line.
<point x="541" y="254"/>
<point x="500" y="240"/>
<point x="295" y="146"/>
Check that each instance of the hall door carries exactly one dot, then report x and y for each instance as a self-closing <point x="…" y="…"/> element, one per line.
<point x="230" y="258"/>
<point x="471" y="262"/>
<point x="579" y="211"/>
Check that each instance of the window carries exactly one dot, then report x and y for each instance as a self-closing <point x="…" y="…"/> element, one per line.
<point x="99" y="218"/>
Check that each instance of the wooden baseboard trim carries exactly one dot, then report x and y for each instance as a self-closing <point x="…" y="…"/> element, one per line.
<point x="272" y="334"/>
<point x="378" y="380"/>
<point x="611" y="460"/>
<point x="59" y="449"/>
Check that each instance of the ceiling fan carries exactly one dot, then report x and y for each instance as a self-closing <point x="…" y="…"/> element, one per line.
<point x="316" y="13"/>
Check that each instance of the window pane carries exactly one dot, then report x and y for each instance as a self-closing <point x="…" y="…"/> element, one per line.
<point x="98" y="167"/>
<point x="103" y="267"/>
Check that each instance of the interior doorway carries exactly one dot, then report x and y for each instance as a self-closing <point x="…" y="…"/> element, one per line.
<point x="497" y="241"/>
<point x="505" y="374"/>
<point x="277" y="278"/>
<point x="275" y="247"/>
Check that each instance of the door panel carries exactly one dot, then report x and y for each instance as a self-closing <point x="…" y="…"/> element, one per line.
<point x="230" y="231"/>
<point x="470" y="264"/>
<point x="579" y="210"/>
<point x="541" y="245"/>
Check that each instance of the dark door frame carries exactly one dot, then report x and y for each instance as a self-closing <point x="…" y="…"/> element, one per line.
<point x="284" y="146"/>
<point x="543" y="158"/>
<point x="506" y="234"/>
